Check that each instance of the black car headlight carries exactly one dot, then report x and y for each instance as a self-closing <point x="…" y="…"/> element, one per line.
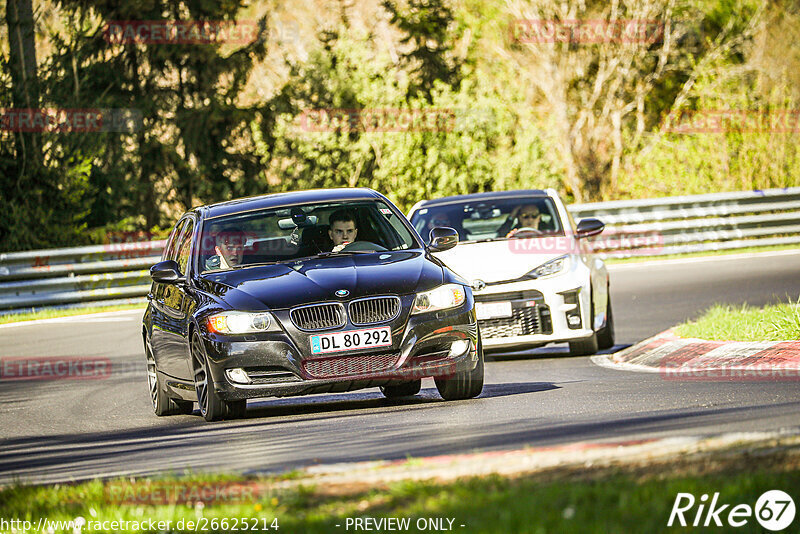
<point x="551" y="267"/>
<point x="239" y="322"/>
<point x="443" y="297"/>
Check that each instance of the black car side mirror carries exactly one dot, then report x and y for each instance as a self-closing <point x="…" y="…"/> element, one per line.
<point x="589" y="227"/>
<point x="442" y="238"/>
<point x="166" y="272"/>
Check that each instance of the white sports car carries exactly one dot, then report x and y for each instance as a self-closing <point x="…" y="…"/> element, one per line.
<point x="532" y="271"/>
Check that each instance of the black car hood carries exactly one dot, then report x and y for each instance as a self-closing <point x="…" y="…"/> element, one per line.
<point x="286" y="285"/>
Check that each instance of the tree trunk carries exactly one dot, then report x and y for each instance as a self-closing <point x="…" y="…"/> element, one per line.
<point x="25" y="86"/>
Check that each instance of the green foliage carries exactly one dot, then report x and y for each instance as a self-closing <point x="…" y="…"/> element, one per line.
<point x="570" y="499"/>
<point x="427" y="25"/>
<point x="192" y="142"/>
<point x="481" y="142"/>
<point x="206" y="135"/>
<point x="780" y="322"/>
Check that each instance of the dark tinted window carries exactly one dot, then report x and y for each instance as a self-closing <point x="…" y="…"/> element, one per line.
<point x="184" y="245"/>
<point x="170" y="249"/>
<point x="286" y="234"/>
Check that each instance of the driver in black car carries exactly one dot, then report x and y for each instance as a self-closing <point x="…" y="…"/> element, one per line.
<point x="343" y="230"/>
<point x="526" y="216"/>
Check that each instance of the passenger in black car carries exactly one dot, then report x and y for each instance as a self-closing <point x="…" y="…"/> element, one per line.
<point x="228" y="249"/>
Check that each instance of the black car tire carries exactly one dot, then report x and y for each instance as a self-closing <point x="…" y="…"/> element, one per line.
<point x="605" y="337"/>
<point x="163" y="404"/>
<point x="586" y="346"/>
<point x="402" y="389"/>
<point x="465" y="385"/>
<point x="212" y="407"/>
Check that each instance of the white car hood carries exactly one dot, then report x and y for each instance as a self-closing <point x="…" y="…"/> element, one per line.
<point x="494" y="261"/>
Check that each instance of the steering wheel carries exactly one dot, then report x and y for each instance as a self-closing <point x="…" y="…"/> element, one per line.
<point x="364" y="245"/>
<point x="525" y="231"/>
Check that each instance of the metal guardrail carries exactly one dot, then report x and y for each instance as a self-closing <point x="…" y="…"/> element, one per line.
<point x="697" y="223"/>
<point x="77" y="277"/>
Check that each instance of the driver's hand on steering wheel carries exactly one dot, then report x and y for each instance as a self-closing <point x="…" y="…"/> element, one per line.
<point x="515" y="231"/>
<point x="338" y="248"/>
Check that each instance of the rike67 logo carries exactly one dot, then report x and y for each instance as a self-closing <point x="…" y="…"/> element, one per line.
<point x="774" y="510"/>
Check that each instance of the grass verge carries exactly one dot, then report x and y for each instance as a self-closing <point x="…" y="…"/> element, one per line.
<point x="57" y="312"/>
<point x="633" y="498"/>
<point x="779" y="322"/>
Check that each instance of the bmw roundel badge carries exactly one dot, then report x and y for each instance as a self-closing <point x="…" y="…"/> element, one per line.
<point x="342" y="293"/>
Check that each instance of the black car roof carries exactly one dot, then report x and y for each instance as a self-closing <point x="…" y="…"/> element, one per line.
<point x="491" y="195"/>
<point x="277" y="200"/>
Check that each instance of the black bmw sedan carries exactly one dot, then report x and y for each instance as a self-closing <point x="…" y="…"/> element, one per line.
<point x="301" y="293"/>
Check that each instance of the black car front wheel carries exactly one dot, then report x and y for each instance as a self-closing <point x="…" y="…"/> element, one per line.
<point x="464" y="385"/>
<point x="163" y="404"/>
<point x="212" y="407"/>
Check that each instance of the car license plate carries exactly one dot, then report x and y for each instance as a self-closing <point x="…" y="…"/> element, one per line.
<point x="351" y="340"/>
<point x="491" y="310"/>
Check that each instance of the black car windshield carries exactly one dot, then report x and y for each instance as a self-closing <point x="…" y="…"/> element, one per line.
<point x="483" y="220"/>
<point x="312" y="230"/>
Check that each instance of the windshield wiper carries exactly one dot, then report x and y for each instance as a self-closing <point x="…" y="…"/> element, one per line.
<point x="327" y="254"/>
<point x="258" y="264"/>
<point x="484" y="240"/>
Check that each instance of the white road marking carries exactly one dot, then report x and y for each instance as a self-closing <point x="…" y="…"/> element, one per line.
<point x="102" y="317"/>
<point x="701" y="259"/>
<point x="603" y="360"/>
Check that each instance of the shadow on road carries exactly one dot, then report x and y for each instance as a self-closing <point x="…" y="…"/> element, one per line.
<point x="341" y="403"/>
<point x="277" y="444"/>
<point x="557" y="351"/>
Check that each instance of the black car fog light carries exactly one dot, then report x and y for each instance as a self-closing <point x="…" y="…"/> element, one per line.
<point x="237" y="376"/>
<point x="459" y="347"/>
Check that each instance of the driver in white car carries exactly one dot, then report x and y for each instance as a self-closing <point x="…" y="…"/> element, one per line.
<point x="522" y="217"/>
<point x="343" y="230"/>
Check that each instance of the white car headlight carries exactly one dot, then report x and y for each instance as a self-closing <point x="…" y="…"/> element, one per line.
<point x="551" y="267"/>
<point x="238" y="322"/>
<point x="442" y="298"/>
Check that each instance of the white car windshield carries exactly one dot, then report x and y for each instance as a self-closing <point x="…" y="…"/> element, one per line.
<point x="491" y="219"/>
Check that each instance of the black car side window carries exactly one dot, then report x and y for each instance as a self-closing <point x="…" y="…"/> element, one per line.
<point x="172" y="241"/>
<point x="185" y="245"/>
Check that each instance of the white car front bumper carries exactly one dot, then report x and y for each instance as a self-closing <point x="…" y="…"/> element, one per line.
<point x="541" y="311"/>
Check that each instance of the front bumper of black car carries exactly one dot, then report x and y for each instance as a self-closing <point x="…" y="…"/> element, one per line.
<point x="437" y="344"/>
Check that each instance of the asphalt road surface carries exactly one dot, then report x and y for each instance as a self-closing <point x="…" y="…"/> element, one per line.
<point x="75" y="429"/>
